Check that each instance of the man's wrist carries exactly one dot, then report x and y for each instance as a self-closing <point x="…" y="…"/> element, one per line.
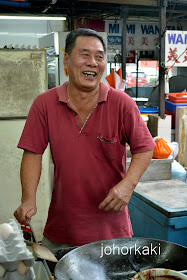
<point x="26" y="199"/>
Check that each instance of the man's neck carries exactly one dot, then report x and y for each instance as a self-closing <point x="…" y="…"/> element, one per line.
<point x="82" y="102"/>
<point x="81" y="97"/>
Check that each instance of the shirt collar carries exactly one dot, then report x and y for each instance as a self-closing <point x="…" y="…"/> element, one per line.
<point x="62" y="92"/>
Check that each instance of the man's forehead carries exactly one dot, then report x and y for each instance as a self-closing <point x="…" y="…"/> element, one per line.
<point x="82" y="40"/>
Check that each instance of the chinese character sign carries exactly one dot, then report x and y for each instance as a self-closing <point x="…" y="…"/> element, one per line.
<point x="176" y="48"/>
<point x="139" y="36"/>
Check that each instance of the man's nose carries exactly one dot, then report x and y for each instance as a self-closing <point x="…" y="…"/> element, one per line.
<point x="92" y="61"/>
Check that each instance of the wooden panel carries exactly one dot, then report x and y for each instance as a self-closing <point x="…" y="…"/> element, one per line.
<point x="128" y="2"/>
<point x="23" y="76"/>
<point x="181" y="134"/>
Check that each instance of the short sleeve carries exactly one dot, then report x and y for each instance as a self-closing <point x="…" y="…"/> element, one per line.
<point x="35" y="133"/>
<point x="136" y="133"/>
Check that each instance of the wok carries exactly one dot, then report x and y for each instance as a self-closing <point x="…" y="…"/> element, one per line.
<point x="117" y="259"/>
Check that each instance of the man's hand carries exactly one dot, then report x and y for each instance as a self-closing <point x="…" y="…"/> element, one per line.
<point x="25" y="211"/>
<point x="117" y="198"/>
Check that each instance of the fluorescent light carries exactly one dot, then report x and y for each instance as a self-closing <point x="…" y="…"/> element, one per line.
<point x="33" y="17"/>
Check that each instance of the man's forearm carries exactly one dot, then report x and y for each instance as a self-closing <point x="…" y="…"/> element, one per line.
<point x="30" y="174"/>
<point x="137" y="167"/>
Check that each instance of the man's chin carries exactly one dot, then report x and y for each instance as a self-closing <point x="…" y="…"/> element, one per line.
<point x="90" y="86"/>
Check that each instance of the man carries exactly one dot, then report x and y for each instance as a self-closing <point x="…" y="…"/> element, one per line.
<point x="88" y="125"/>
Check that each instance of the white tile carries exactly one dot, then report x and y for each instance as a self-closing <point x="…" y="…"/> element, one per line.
<point x="166" y="122"/>
<point x="165" y="133"/>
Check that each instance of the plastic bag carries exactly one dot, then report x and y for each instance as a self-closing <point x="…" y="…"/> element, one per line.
<point x="162" y="149"/>
<point x="175" y="149"/>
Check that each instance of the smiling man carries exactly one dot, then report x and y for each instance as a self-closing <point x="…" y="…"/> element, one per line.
<point x="87" y="124"/>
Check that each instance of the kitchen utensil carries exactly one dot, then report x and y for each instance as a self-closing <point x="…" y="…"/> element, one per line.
<point x="159" y="273"/>
<point x="109" y="259"/>
<point x="42" y="252"/>
<point x="39" y="250"/>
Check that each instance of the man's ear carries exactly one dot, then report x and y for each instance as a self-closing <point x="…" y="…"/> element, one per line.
<point x="66" y="60"/>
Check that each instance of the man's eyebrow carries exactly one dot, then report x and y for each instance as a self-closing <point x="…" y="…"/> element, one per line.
<point x="84" y="50"/>
<point x="87" y="50"/>
<point x="101" y="52"/>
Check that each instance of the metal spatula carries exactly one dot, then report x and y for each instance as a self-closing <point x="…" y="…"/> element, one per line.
<point x="42" y="252"/>
<point x="39" y="250"/>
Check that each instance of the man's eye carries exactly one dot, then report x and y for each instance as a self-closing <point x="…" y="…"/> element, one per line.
<point x="100" y="56"/>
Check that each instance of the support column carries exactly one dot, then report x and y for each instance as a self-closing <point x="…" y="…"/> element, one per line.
<point x="124" y="16"/>
<point x="162" y="30"/>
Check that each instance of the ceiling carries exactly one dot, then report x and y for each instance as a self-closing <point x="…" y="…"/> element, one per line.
<point x="105" y="9"/>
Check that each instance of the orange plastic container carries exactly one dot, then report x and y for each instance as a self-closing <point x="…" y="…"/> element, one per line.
<point x="178" y="97"/>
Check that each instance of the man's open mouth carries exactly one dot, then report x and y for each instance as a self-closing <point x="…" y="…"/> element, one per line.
<point x="89" y="74"/>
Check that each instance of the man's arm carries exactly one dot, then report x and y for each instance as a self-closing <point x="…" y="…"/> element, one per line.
<point x="30" y="176"/>
<point x="119" y="196"/>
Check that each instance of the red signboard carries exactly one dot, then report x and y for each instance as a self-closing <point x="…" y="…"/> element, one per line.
<point x="130" y="57"/>
<point x="98" y="25"/>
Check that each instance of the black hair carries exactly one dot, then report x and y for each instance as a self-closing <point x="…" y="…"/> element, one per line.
<point x="72" y="36"/>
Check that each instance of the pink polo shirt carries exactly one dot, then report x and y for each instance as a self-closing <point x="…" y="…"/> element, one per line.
<point x="87" y="163"/>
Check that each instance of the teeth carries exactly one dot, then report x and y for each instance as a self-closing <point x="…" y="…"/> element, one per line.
<point x="89" y="73"/>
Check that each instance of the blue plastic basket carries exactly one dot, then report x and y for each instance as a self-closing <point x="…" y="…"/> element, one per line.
<point x="148" y="110"/>
<point x="170" y="106"/>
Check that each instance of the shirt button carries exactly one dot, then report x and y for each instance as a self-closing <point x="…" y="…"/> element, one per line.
<point x="75" y="114"/>
<point x="78" y="124"/>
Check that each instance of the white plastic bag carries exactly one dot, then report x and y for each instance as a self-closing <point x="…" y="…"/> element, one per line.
<point x="175" y="149"/>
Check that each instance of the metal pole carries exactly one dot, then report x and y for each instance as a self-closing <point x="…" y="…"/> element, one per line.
<point x="124" y="15"/>
<point x="137" y="77"/>
<point x="162" y="30"/>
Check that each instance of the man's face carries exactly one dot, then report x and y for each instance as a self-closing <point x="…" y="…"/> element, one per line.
<point x="86" y="63"/>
